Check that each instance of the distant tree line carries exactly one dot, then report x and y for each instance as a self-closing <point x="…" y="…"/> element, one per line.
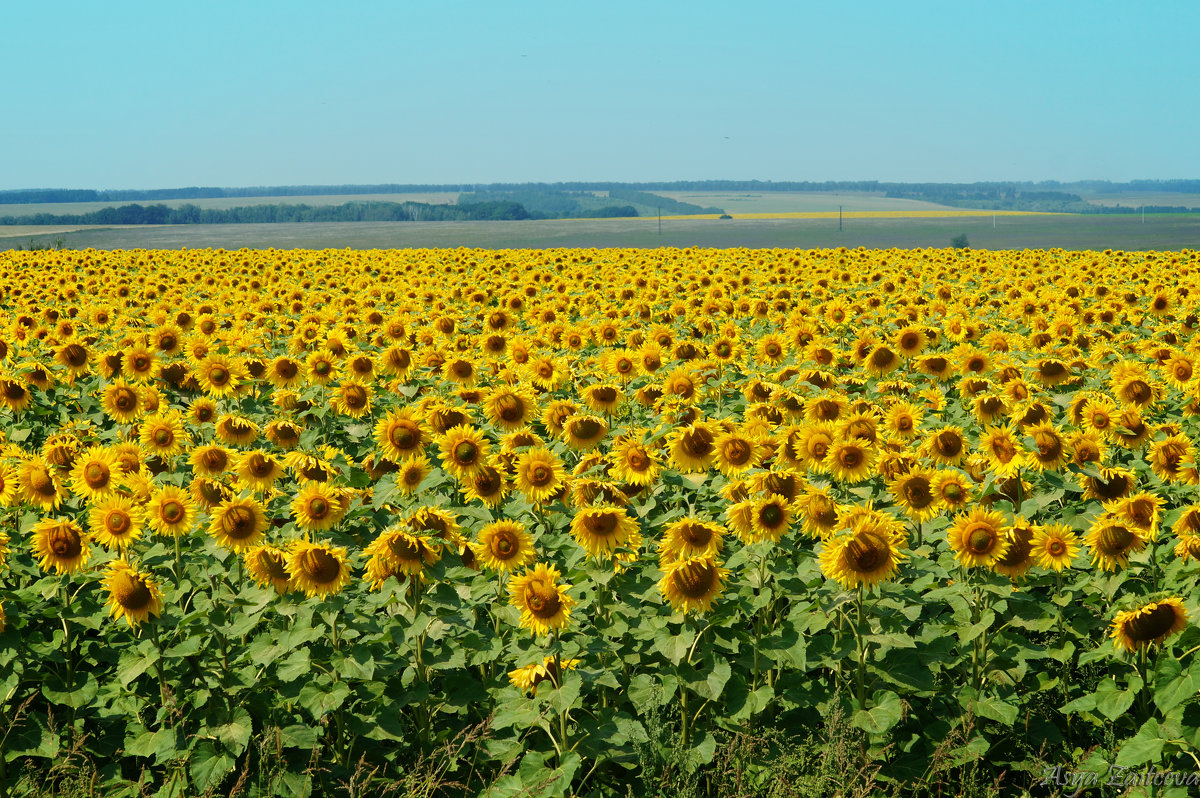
<point x="259" y="214"/>
<point x="552" y="204"/>
<point x="666" y="204"/>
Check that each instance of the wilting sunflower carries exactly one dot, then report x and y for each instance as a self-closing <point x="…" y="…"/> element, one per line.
<point x="1050" y="450"/>
<point x="583" y="431"/>
<point x="238" y="524"/>
<point x="978" y="538"/>
<point x="818" y="511"/>
<point x="1112" y="541"/>
<point x="1111" y="483"/>
<point x="399" y="435"/>
<point x="210" y="460"/>
<point x="1188" y="547"/>
<point x="543" y="602"/>
<point x="132" y="595"/>
<point x="601" y="530"/>
<point x="61" y="544"/>
<point x="1148" y="625"/>
<point x="120" y="402"/>
<point x="529" y="677"/>
<point x="691" y="584"/>
<point x="851" y="461"/>
<point x="1140" y="510"/>
<point x="236" y="430"/>
<point x="170" y="511"/>
<point x="1054" y="546"/>
<point x="539" y="474"/>
<point x="318" y="569"/>
<point x="267" y="565"/>
<point x="163" y="435"/>
<point x="283" y="433"/>
<point x="690" y="537"/>
<point x="257" y="470"/>
<point x="465" y="450"/>
<point x="1003" y="450"/>
<point x="603" y="398"/>
<point x="317" y="507"/>
<point x="504" y="546"/>
<point x="115" y="521"/>
<point x="867" y="554"/>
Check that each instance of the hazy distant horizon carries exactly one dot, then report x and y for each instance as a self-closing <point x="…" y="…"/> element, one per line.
<point x="272" y="93"/>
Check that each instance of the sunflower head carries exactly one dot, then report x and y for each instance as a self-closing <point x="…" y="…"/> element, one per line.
<point x="544" y="603"/>
<point x="504" y="546"/>
<point x="691" y="584"/>
<point x="318" y="569"/>
<point x="1149" y="624"/>
<point x="978" y="538"/>
<point x="59" y="543"/>
<point x="132" y="595"/>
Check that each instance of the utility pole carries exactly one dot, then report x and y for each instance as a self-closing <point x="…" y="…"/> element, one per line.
<point x="839" y="218"/>
<point x="1143" y="214"/>
<point x="993" y="220"/>
<point x="660" y="220"/>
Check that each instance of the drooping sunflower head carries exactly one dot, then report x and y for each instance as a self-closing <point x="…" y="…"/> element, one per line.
<point x="867" y="554"/>
<point x="267" y="565"/>
<point x="691" y="537"/>
<point x="257" y="470"/>
<point x="1149" y="624"/>
<point x="510" y="407"/>
<point x="529" y="677"/>
<point x="1112" y="541"/>
<point x="238" y="524"/>
<point x="583" y="431"/>
<point x="978" y="538"/>
<point x="59" y="543"/>
<point x="1020" y="555"/>
<point x="236" y="430"/>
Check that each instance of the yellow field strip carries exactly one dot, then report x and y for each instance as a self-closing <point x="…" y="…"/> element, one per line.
<point x="863" y="214"/>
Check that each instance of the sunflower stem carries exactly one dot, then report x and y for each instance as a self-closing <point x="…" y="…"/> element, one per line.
<point x="860" y="677"/>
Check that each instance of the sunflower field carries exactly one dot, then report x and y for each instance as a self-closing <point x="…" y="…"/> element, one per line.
<point x="598" y="522"/>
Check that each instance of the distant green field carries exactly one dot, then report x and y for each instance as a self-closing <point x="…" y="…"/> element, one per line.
<point x="735" y="202"/>
<point x="1138" y="199"/>
<point x="222" y="203"/>
<point x="1163" y="232"/>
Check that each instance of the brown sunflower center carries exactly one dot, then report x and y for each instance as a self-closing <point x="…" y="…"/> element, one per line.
<point x="771" y="515"/>
<point x="466" y="453"/>
<point x="866" y="552"/>
<point x="404" y="548"/>
<point x="542" y="600"/>
<point x="74" y="355"/>
<point x="355" y="397"/>
<point x="117" y="522"/>
<point x="637" y="460"/>
<point x="1116" y="540"/>
<point x="918" y="492"/>
<point x="162" y="437"/>
<point x="320" y="566"/>
<point x="238" y="523"/>
<point x="695" y="580"/>
<point x="540" y="475"/>
<point x="402" y="436"/>
<point x="948" y="444"/>
<point x="132" y="593"/>
<point x="125" y="399"/>
<point x="218" y="375"/>
<point x="737" y="451"/>
<point x="980" y="538"/>
<point x="587" y="428"/>
<point x="65" y="542"/>
<point x="172" y="511"/>
<point x="602" y="524"/>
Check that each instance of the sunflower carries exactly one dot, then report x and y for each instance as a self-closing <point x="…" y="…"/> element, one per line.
<point x="465" y="450"/>
<point x="544" y="603"/>
<point x="39" y="484"/>
<point x="162" y="435"/>
<point x="318" y="569"/>
<point x="202" y="410"/>
<point x="120" y="402"/>
<point x="818" y="511"/>
<point x="691" y="584"/>
<point x="489" y="485"/>
<point x="690" y="537"/>
<point x="583" y="431"/>
<point x="1004" y="452"/>
<point x="1188" y="547"/>
<point x="978" y="538"/>
<point x="769" y="517"/>
<point x="1098" y="414"/>
<point x="411" y="472"/>
<point x="94" y="473"/>
<point x="399" y="552"/>
<point x="1019" y="557"/>
<point x="170" y="511"/>
<point x="1050" y="450"/>
<point x="317" y="507"/>
<point x="115" y="521"/>
<point x="1111" y="483"/>
<point x="1188" y="524"/>
<point x="257" y="470"/>
<point x="946" y="445"/>
<point x="132" y="595"/>
<point x="8" y="485"/>
<point x="903" y="419"/>
<point x="220" y="375"/>
<point x="851" y="461"/>
<point x="601" y="530"/>
<point x="633" y="462"/>
<point x="1112" y="541"/>
<point x="267" y="565"/>
<point x="603" y="398"/>
<point x="510" y="407"/>
<point x="529" y="677"/>
<point x="59" y="542"/>
<point x="692" y="448"/>
<point x="1173" y="459"/>
<point x="504" y="546"/>
<point x="1148" y="625"/>
<point x="867" y="554"/>
<point x="539" y="474"/>
<point x="320" y="368"/>
<point x="1140" y="510"/>
<point x="771" y="349"/>
<point x="139" y="364"/>
<point x="1054" y="546"/>
<point x="283" y="433"/>
<point x="915" y="493"/>
<point x="737" y="452"/>
<point x="238" y="524"/>
<point x="285" y="372"/>
<point x="812" y="447"/>
<point x="399" y="435"/>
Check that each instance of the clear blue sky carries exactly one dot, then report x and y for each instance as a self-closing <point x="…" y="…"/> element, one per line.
<point x="164" y="94"/>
